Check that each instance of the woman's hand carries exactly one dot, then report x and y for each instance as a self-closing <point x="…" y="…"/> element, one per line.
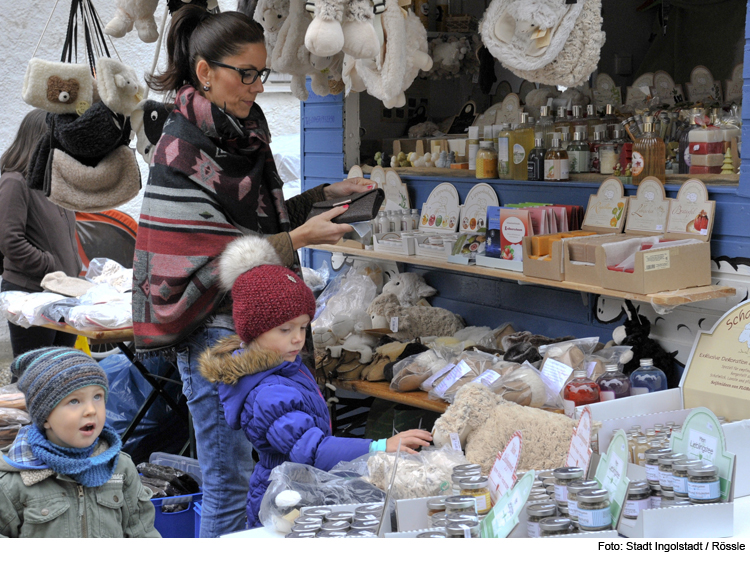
<point x="349" y="186"/>
<point x="320" y="230"/>
<point x="410" y="439"/>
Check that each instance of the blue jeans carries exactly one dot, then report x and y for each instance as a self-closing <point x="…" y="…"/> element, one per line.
<point x="224" y="455"/>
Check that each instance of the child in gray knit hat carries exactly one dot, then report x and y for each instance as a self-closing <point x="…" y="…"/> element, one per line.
<point x="64" y="475"/>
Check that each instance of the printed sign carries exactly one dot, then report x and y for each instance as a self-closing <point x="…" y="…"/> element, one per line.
<point x="606" y="209"/>
<point x="504" y="515"/>
<point x="503" y="474"/>
<point x="455" y="442"/>
<point x="579" y="452"/>
<point x="649" y="209"/>
<point x="691" y="212"/>
<point x="610" y="473"/>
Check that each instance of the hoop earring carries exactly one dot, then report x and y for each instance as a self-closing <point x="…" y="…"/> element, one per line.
<point x="207" y="87"/>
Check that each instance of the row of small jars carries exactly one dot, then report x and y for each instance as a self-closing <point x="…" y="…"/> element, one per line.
<point x="397" y="221"/>
<point x="323" y="522"/>
<point x="680" y="477"/>
<point x="455" y="515"/>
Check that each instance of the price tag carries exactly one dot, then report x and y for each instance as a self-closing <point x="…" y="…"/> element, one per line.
<point x="455" y="442"/>
<point x="487" y="377"/>
<point x="429" y="381"/>
<point x="394" y="324"/>
<point x="503" y="474"/>
<point x="453" y="376"/>
<point x="579" y="452"/>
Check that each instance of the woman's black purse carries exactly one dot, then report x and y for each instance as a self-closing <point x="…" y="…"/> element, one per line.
<point x="362" y="206"/>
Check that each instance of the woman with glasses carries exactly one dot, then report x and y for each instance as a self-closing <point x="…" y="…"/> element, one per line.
<point x="212" y="180"/>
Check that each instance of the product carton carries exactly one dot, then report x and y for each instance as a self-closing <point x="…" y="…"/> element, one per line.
<point x="472" y="226"/>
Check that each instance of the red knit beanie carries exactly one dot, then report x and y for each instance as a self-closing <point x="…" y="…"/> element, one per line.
<point x="265" y="294"/>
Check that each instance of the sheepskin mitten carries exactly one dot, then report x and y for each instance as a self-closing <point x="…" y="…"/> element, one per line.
<point x="265" y="294"/>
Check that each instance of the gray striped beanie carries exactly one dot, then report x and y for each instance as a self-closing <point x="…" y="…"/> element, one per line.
<point x="48" y="375"/>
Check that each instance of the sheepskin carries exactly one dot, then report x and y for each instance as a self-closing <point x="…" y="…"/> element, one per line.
<point x="414" y="322"/>
<point x="138" y="13"/>
<point x="485" y="423"/>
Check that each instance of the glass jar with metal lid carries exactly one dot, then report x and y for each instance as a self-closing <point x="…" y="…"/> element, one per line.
<point x="435" y="517"/>
<point x="548" y="482"/>
<point x="536" y="513"/>
<point x="703" y="484"/>
<point x="457" y="477"/>
<point x="639" y="498"/>
<point x="341" y="516"/>
<point x="574" y="488"/>
<point x="460" y="503"/>
<point x="310" y="534"/>
<point x="331" y="534"/>
<point x="539" y="498"/>
<point x="440" y="523"/>
<point x="461" y="516"/>
<point x="335" y="526"/>
<point x="467" y="468"/>
<point x="466" y="529"/>
<point x="554" y="526"/>
<point x="478" y="488"/>
<point x="667" y="497"/>
<point x="680" y="475"/>
<point x="652" y="463"/>
<point x="563" y="478"/>
<point x="655" y="498"/>
<point x="305" y="528"/>
<point x="665" y="468"/>
<point x="321" y="512"/>
<point x="541" y="476"/>
<point x="433" y="534"/>
<point x="436" y="505"/>
<point x="593" y="510"/>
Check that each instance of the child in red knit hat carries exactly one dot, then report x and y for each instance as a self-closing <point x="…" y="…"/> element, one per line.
<point x="264" y="387"/>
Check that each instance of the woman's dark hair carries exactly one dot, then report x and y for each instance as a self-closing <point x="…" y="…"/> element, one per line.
<point x="16" y="158"/>
<point x="196" y="34"/>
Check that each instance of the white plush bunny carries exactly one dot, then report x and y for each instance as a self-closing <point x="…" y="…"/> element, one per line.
<point x="138" y="13"/>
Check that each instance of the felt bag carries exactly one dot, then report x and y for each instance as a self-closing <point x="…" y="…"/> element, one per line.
<point x="362" y="206"/>
<point x="545" y="41"/>
<point x="58" y="87"/>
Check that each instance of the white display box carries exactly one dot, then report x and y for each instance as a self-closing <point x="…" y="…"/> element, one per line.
<point x="406" y="243"/>
<point x="439" y="217"/>
<point x="497" y="263"/>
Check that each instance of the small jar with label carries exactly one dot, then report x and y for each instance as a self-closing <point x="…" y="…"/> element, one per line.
<point x="593" y="510"/>
<point x="486" y="161"/>
<point x="554" y="526"/>
<point x="536" y="513"/>
<point x="680" y="476"/>
<point x="478" y="488"/>
<point x="384" y="225"/>
<point x="435" y="517"/>
<point x="652" y="463"/>
<point x="460" y="503"/>
<point x="563" y="478"/>
<point x="639" y="498"/>
<point x="414" y="219"/>
<point x="457" y="477"/>
<point x="667" y="497"/>
<point x="665" y="468"/>
<point x="639" y="451"/>
<point x="467" y="529"/>
<point x="655" y="498"/>
<point x="703" y="484"/>
<point x="574" y="489"/>
<point x="436" y="505"/>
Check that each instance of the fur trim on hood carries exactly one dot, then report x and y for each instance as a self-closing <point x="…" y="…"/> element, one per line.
<point x="229" y="361"/>
<point x="242" y="255"/>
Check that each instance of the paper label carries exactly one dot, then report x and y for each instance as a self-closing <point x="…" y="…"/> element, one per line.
<point x="453" y="376"/>
<point x="579" y="451"/>
<point x="557" y="372"/>
<point x="503" y="474"/>
<point x="652" y="473"/>
<point x="561" y="493"/>
<point x="487" y="377"/>
<point x="569" y="407"/>
<point x="606" y="395"/>
<point x="637" y="163"/>
<point x="704" y="490"/>
<point x="679" y="485"/>
<point x="655" y="502"/>
<point x="533" y="529"/>
<point x="665" y="479"/>
<point x="594" y="518"/>
<point x="654" y="261"/>
<point x="427" y="383"/>
<point x="394" y="324"/>
<point x="519" y="153"/>
<point x="702" y="446"/>
<point x="633" y="507"/>
<point x="456" y="442"/>
<point x="572" y="508"/>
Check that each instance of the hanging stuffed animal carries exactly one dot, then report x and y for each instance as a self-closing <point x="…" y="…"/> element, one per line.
<point x="271" y="14"/>
<point x="147" y="122"/>
<point x="138" y="13"/>
<point x="327" y="78"/>
<point x="290" y="54"/>
<point x="342" y="25"/>
<point x="545" y="41"/>
<point x="350" y="76"/>
<point x="417" y="58"/>
<point x="117" y="85"/>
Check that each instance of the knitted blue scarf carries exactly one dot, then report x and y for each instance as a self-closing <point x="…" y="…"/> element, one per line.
<point x="78" y="463"/>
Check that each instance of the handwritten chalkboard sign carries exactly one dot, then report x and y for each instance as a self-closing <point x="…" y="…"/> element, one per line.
<point x="463" y="119"/>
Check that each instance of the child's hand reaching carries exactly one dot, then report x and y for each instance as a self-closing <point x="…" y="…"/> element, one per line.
<point x="410" y="439"/>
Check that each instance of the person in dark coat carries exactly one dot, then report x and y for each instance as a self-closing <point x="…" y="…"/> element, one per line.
<point x="264" y="387"/>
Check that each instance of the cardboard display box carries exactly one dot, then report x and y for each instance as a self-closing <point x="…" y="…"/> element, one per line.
<point x="552" y="246"/>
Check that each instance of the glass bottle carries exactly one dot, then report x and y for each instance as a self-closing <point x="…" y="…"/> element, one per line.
<point x="561" y="121"/>
<point x="683" y="153"/>
<point x="504" y="154"/>
<point x="414" y="219"/>
<point x="405" y="220"/>
<point x="473" y="146"/>
<point x="594" y="145"/>
<point x="392" y="221"/>
<point x="545" y="127"/>
<point x="486" y="160"/>
<point x="647" y="378"/>
<point x="608" y="157"/>
<point x="556" y="167"/>
<point x="523" y="143"/>
<point x="579" y="391"/>
<point x="610" y="120"/>
<point x="536" y="160"/>
<point x="565" y="140"/>
<point x="592" y="120"/>
<point x="648" y="154"/>
<point x="578" y="119"/>
<point x="383" y="222"/>
<point x="613" y="383"/>
<point x="579" y="155"/>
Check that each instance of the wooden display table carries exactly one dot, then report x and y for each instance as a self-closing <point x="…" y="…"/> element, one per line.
<point x="666" y="299"/>
<point x="382" y="390"/>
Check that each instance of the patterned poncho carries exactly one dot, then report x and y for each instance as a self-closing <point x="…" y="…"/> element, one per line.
<point x="212" y="179"/>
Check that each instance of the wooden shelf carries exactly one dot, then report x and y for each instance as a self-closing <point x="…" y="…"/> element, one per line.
<point x="97" y="336"/>
<point x="667" y="299"/>
<point x="382" y="390"/>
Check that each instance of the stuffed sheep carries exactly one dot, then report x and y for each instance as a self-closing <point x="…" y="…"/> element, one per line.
<point x="118" y="86"/>
<point x="409" y="288"/>
<point x="343" y="25"/>
<point x="485" y="422"/>
<point x="416" y="321"/>
<point x="138" y="13"/>
<point x="271" y="14"/>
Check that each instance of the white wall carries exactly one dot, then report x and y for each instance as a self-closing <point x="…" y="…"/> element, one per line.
<point x="21" y="26"/>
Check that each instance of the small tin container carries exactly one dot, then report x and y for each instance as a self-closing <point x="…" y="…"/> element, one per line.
<point x="341" y="516"/>
<point x="321" y="512"/>
<point x="305" y="528"/>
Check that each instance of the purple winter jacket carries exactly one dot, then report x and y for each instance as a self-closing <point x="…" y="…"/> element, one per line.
<point x="282" y="411"/>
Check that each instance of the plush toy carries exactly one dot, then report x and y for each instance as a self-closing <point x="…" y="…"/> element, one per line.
<point x="417" y="58"/>
<point x="327" y="78"/>
<point x="138" y="13"/>
<point x="242" y="5"/>
<point x="290" y="55"/>
<point x="635" y="333"/>
<point x="416" y="321"/>
<point x="271" y="14"/>
<point x="485" y="422"/>
<point x="147" y="121"/>
<point x="442" y="161"/>
<point x="343" y="25"/>
<point x="118" y="86"/>
<point x="409" y="288"/>
<point x="452" y="57"/>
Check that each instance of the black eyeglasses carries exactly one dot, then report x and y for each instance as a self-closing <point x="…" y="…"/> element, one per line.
<point x="249" y="76"/>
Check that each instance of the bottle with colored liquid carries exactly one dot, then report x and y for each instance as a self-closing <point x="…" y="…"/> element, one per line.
<point x="579" y="155"/>
<point x="649" y="157"/>
<point x="545" y="127"/>
<point x="647" y="378"/>
<point x="613" y="384"/>
<point x="556" y="166"/>
<point x="536" y="160"/>
<point x="523" y="143"/>
<point x="504" y="155"/>
<point x="579" y="391"/>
